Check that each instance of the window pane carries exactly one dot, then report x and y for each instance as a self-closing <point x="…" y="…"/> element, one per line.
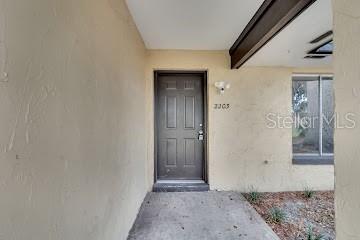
<point x="306" y="116"/>
<point x="326" y="48"/>
<point x="328" y="115"/>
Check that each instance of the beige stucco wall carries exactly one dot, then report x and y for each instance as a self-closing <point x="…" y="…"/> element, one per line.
<point x="347" y="141"/>
<point x="72" y="119"/>
<point x="243" y="152"/>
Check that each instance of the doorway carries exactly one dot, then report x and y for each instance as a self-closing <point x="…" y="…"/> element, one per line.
<point x="180" y="126"/>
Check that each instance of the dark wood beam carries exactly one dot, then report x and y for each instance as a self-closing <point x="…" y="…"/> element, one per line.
<point x="269" y="20"/>
<point x="322" y="37"/>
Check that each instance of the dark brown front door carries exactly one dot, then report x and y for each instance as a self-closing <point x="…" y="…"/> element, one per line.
<point x="180" y="125"/>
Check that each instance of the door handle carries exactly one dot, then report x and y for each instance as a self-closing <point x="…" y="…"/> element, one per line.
<point x="201" y="135"/>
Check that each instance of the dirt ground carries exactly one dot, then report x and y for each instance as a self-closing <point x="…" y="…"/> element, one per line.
<point x="300" y="214"/>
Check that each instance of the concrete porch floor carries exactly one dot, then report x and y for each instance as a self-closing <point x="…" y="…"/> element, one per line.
<point x="199" y="215"/>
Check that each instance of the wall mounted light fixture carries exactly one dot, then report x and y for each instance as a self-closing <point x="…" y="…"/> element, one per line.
<point x="222" y="86"/>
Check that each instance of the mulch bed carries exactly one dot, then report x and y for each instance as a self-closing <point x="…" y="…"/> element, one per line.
<point x="301" y="214"/>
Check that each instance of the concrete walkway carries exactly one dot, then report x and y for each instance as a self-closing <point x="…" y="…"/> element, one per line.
<point x="198" y="216"/>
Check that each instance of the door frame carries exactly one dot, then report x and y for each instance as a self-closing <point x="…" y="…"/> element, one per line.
<point x="204" y="74"/>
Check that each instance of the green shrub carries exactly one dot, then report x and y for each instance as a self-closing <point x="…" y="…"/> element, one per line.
<point x="308" y="193"/>
<point x="276" y="215"/>
<point x="310" y="235"/>
<point x="253" y="195"/>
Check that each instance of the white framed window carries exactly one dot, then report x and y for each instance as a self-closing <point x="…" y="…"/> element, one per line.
<point x="314" y="119"/>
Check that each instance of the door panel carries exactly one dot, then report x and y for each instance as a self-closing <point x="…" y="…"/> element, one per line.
<point x="179" y="118"/>
<point x="189" y="112"/>
<point x="171" y="110"/>
<point x="190" y="152"/>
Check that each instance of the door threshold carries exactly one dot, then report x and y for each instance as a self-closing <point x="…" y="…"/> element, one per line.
<point x="180" y="181"/>
<point x="180" y="186"/>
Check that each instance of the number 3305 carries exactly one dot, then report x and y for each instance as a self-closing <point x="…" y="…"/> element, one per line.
<point x="222" y="106"/>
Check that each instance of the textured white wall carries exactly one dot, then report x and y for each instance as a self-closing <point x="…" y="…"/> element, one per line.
<point x="243" y="152"/>
<point x="72" y="116"/>
<point x="347" y="141"/>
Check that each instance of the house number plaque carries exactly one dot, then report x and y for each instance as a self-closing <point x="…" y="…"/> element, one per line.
<point x="222" y="106"/>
